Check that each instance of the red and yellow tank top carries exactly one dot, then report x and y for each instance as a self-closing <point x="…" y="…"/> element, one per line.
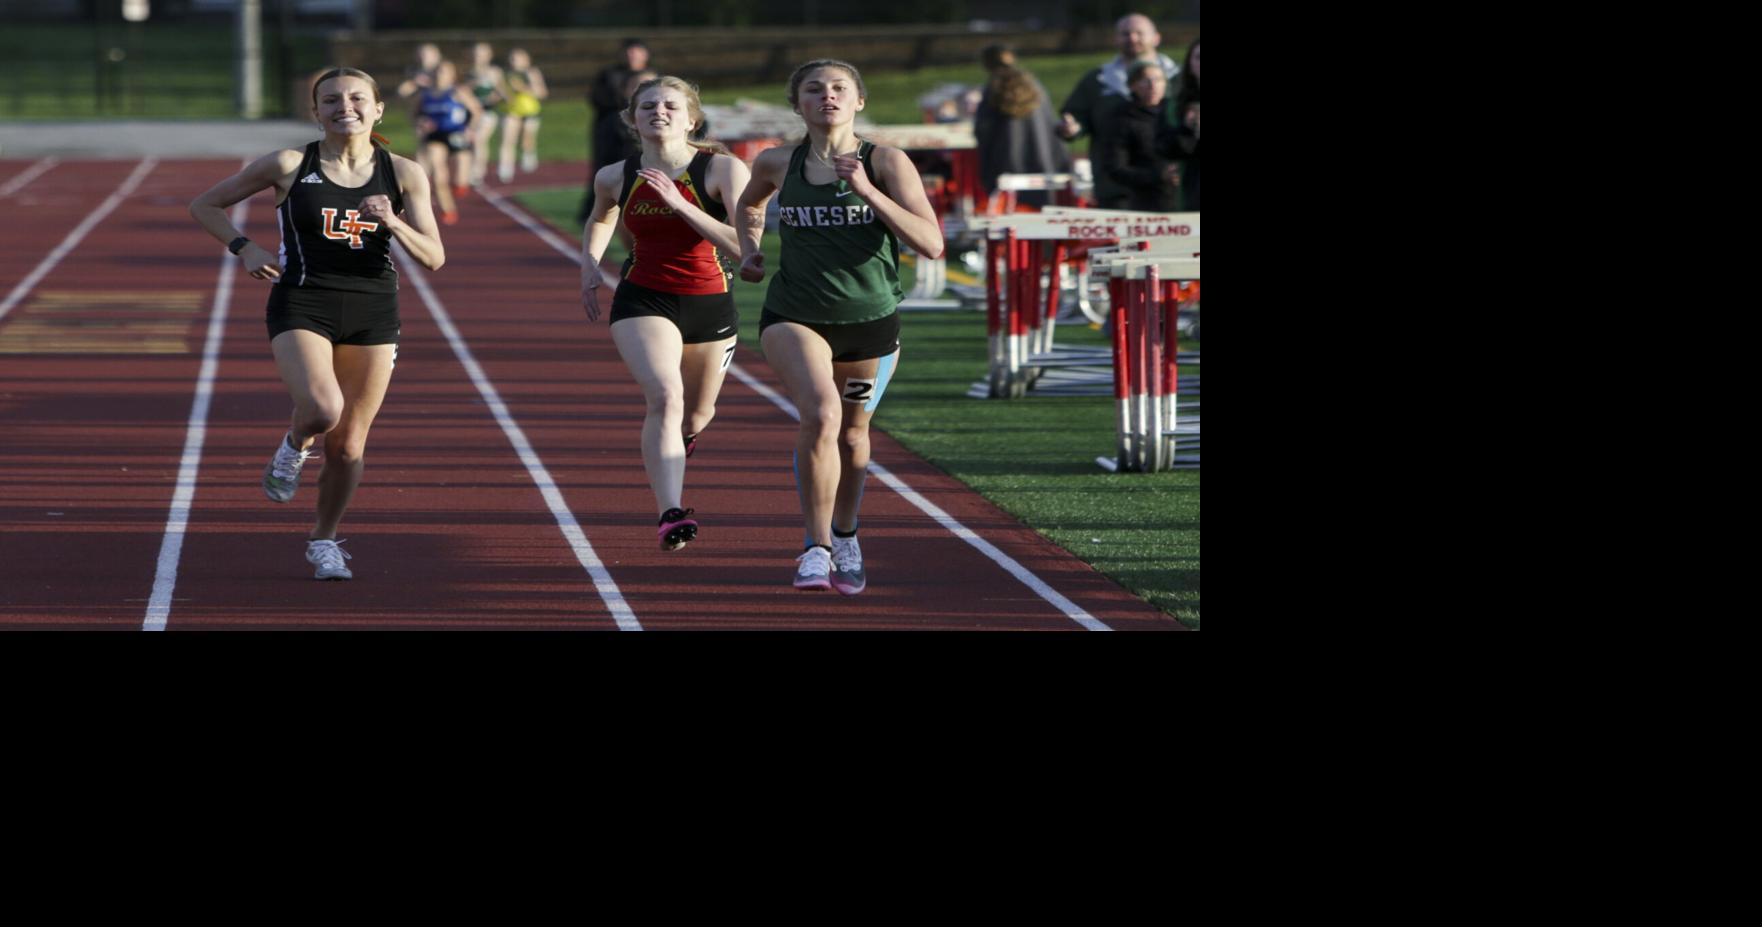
<point x="670" y="255"/>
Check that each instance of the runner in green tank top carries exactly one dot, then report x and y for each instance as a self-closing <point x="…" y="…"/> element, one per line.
<point x="831" y="326"/>
<point x="491" y="91"/>
<point x="839" y="265"/>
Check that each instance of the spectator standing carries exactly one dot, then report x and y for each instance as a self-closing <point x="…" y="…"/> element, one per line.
<point x="1128" y="154"/>
<point x="1102" y="91"/>
<point x="1014" y="125"/>
<point x="609" y="142"/>
<point x="1182" y="141"/>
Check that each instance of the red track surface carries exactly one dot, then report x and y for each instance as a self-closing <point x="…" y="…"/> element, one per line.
<point x="449" y="529"/>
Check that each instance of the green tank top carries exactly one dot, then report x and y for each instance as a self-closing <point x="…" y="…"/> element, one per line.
<point x="840" y="262"/>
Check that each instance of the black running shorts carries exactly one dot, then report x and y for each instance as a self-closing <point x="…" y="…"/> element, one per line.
<point x="854" y="341"/>
<point x="343" y="316"/>
<point x="700" y="319"/>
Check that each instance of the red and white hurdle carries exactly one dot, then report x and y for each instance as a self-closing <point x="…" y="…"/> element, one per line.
<point x="1147" y="283"/>
<point x="1026" y="255"/>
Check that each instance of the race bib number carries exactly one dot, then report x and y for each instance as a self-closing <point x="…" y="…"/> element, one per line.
<point x="858" y="391"/>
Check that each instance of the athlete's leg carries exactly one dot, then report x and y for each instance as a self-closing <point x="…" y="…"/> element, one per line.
<point x="860" y="383"/>
<point x="363" y="372"/>
<point x="510" y="137"/>
<point x="803" y="361"/>
<point x="480" y="148"/>
<point x="438" y="176"/>
<point x="529" y="144"/>
<point x="461" y="171"/>
<point x="304" y="361"/>
<point x="703" y="367"/>
<point x="651" y="348"/>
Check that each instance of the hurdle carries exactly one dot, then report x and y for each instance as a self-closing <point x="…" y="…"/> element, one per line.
<point x="1026" y="249"/>
<point x="1146" y="289"/>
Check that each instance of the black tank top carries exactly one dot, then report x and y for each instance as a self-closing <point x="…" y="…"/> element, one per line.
<point x="324" y="241"/>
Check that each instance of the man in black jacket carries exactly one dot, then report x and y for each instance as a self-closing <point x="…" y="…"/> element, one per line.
<point x="605" y="134"/>
<point x="1102" y="91"/>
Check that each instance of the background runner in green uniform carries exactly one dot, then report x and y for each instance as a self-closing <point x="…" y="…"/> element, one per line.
<point x="830" y="326"/>
<point x="491" y="91"/>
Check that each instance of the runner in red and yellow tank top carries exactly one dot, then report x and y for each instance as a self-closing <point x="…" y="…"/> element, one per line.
<point x="670" y="255"/>
<point x="673" y="318"/>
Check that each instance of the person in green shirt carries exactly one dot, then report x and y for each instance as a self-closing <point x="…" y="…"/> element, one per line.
<point x="830" y="326"/>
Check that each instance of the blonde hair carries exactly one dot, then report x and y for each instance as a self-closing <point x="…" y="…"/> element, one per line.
<point x="693" y="107"/>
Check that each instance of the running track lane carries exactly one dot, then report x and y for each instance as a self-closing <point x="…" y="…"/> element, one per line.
<point x="457" y="565"/>
<point x="561" y="377"/>
<point x="94" y="422"/>
<point x="447" y="529"/>
<point x="485" y="564"/>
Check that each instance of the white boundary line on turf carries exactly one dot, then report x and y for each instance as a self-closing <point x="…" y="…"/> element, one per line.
<point x="177" y="523"/>
<point x="74" y="237"/>
<point x="566" y="522"/>
<point x="30" y="173"/>
<point x="947" y="521"/>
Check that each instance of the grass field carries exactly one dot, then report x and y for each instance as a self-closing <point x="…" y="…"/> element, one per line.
<point x="1034" y="457"/>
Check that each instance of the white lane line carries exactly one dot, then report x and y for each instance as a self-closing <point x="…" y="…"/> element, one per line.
<point x="584" y="552"/>
<point x="73" y="238"/>
<point x="572" y="252"/>
<point x="544" y="233"/>
<point x="30" y="173"/>
<point x="177" y="523"/>
<point x="947" y="521"/>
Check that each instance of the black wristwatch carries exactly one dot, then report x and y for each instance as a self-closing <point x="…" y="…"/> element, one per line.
<point x="238" y="244"/>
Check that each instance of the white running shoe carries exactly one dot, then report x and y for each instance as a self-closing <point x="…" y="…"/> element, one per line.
<point x="282" y="477"/>
<point x="815" y="564"/>
<point x="529" y="161"/>
<point x="505" y="173"/>
<point x="847" y="566"/>
<point x="328" y="558"/>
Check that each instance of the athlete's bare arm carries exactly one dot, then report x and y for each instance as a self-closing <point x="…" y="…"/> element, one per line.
<point x="768" y="171"/>
<point x="415" y="229"/>
<point x="907" y="211"/>
<point x="275" y="169"/>
<point x="597" y="233"/>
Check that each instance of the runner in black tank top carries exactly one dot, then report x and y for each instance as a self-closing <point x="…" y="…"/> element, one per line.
<point x="673" y="317"/>
<point x="333" y="311"/>
<point x="831" y="331"/>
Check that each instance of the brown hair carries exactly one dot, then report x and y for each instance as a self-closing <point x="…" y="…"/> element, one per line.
<point x="996" y="56"/>
<point x="1137" y="70"/>
<point x="378" y="139"/>
<point x="802" y="73"/>
<point x="693" y="107"/>
<point x="1013" y="92"/>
